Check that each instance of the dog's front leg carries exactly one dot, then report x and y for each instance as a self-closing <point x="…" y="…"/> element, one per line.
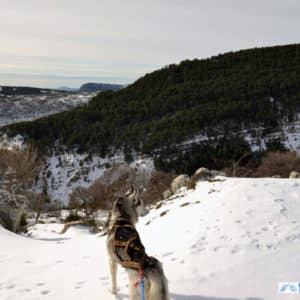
<point x="113" y="272"/>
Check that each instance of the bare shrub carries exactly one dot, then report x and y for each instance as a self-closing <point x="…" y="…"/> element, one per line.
<point x="19" y="167"/>
<point x="278" y="163"/>
<point x="100" y="195"/>
<point x="159" y="182"/>
<point x="90" y="199"/>
<point x="239" y="171"/>
<point x="38" y="203"/>
<point x="80" y="199"/>
<point x="73" y="216"/>
<point x="103" y="192"/>
<point x="245" y="166"/>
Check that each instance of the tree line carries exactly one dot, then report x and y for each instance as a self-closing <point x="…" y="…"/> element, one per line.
<point x="215" y="97"/>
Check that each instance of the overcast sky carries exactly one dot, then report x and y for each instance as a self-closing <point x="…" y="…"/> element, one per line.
<point x="50" y="43"/>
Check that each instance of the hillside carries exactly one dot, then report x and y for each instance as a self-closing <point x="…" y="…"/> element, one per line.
<point x="22" y="90"/>
<point x="25" y="104"/>
<point x="203" y="112"/>
<point x="231" y="240"/>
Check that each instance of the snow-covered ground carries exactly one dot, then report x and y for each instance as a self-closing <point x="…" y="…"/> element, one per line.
<point x="226" y="240"/>
<point x="17" y="108"/>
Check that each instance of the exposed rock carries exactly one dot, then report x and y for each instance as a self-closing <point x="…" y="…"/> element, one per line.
<point x="295" y="174"/>
<point x="12" y="207"/>
<point x="167" y="194"/>
<point x="179" y="182"/>
<point x="203" y="173"/>
<point x="215" y="173"/>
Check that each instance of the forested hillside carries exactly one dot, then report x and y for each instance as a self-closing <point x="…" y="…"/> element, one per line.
<point x="22" y="90"/>
<point x="214" y="98"/>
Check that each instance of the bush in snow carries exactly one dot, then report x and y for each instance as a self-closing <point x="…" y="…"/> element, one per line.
<point x="279" y="163"/>
<point x="19" y="168"/>
<point x="158" y="187"/>
<point x="73" y="216"/>
<point x="38" y="203"/>
<point x="83" y="199"/>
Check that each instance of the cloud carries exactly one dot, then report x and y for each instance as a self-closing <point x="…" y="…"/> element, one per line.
<point x="125" y="39"/>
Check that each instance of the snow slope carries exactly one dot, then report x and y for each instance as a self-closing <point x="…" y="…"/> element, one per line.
<point x="65" y="171"/>
<point x="287" y="134"/>
<point x="68" y="170"/>
<point x="17" y="108"/>
<point x="226" y="240"/>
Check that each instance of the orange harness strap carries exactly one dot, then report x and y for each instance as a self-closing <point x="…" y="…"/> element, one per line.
<point x="128" y="244"/>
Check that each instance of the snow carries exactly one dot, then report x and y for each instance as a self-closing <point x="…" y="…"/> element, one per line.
<point x="70" y="169"/>
<point x="16" y="142"/>
<point x="65" y="171"/>
<point x="291" y="133"/>
<point x="17" y="108"/>
<point x="288" y="134"/>
<point x="234" y="239"/>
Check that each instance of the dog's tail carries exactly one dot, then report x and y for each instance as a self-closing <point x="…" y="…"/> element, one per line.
<point x="158" y="287"/>
<point x="156" y="284"/>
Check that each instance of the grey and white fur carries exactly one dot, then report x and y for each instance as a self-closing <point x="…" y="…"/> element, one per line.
<point x="130" y="207"/>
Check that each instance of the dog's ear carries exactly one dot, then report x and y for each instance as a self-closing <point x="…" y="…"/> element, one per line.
<point x="135" y="193"/>
<point x="130" y="192"/>
<point x="137" y="202"/>
<point x="118" y="203"/>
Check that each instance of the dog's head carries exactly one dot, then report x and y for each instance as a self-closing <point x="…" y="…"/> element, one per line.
<point x="130" y="205"/>
<point x="137" y="203"/>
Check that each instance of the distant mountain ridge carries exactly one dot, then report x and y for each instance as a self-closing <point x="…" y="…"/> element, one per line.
<point x="87" y="87"/>
<point x="94" y="87"/>
<point x="67" y="89"/>
<point x="22" y="90"/>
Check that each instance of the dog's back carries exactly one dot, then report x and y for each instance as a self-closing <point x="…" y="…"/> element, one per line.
<point x="126" y="245"/>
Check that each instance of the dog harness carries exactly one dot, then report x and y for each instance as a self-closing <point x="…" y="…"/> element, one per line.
<point x="127" y="245"/>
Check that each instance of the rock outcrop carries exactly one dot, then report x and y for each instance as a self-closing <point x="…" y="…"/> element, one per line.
<point x="204" y="173"/>
<point x="179" y="182"/>
<point x="12" y="207"/>
<point x="167" y="194"/>
<point x="294" y="174"/>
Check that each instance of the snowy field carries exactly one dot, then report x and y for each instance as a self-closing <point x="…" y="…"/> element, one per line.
<point x="227" y="240"/>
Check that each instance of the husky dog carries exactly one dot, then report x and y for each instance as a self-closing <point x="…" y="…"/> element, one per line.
<point x="125" y="248"/>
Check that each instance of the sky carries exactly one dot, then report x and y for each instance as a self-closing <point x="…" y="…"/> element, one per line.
<point x="52" y="43"/>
